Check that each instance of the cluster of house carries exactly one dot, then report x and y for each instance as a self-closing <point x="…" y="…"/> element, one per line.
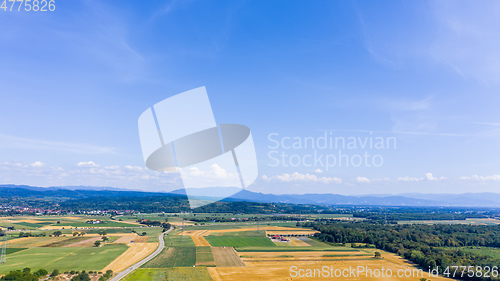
<point x="280" y="238"/>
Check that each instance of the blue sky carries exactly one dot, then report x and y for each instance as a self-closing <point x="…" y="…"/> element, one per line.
<point x="427" y="73"/>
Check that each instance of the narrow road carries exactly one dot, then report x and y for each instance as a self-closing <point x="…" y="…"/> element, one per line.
<point x="148" y="258"/>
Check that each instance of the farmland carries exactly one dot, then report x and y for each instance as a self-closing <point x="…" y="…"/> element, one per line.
<point x="223" y="251"/>
<point x="231" y="241"/>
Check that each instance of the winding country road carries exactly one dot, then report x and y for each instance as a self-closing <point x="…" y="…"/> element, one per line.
<point x="160" y="248"/>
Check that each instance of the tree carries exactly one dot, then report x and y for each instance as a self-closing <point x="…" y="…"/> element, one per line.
<point x="104" y="238"/>
<point x="81" y="277"/>
<point x="377" y="255"/>
<point x="97" y="243"/>
<point x="144" y="234"/>
<point x="55" y="272"/>
<point x="42" y="272"/>
<point x="57" y="233"/>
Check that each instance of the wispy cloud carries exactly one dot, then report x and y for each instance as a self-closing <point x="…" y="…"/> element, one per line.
<point x="38" y="144"/>
<point x="466" y="38"/>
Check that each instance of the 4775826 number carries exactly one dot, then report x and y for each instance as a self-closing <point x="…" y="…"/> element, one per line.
<point x="471" y="271"/>
<point x="28" y="5"/>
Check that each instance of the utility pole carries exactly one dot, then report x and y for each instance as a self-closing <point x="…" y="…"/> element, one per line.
<point x="182" y="237"/>
<point x="3" y="254"/>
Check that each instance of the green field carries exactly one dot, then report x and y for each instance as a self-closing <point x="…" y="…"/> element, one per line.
<point x="13" y="250"/>
<point x="152" y="232"/>
<point x="171" y="274"/>
<point x="64" y="259"/>
<point x="172" y="240"/>
<point x="204" y="256"/>
<point x="482" y="251"/>
<point x="314" y="243"/>
<point x="173" y="257"/>
<point x="231" y="241"/>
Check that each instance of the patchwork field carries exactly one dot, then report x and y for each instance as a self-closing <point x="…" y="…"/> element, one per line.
<point x="224" y="251"/>
<point x="230" y="241"/>
<point x="281" y="270"/>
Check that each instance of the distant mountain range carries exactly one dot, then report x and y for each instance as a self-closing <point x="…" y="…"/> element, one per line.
<point x="409" y="199"/>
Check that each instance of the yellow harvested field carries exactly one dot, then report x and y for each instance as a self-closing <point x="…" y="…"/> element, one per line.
<point x="226" y="256"/>
<point x="214" y="274"/>
<point x="132" y="238"/>
<point x="193" y="232"/>
<point x="135" y="253"/>
<point x="179" y="223"/>
<point x="200" y="241"/>
<point x="31" y="221"/>
<point x="32" y="242"/>
<point x="298" y="254"/>
<point x="285" y="233"/>
<point x="85" y="243"/>
<point x="297" y="242"/>
<point x="280" y="270"/>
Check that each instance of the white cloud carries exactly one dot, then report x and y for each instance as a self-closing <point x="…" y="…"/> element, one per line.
<point x="88" y="174"/>
<point x="481" y="178"/>
<point x="427" y="177"/>
<point x="318" y="171"/>
<point x="87" y="164"/>
<point x="297" y="177"/>
<point x="214" y="172"/>
<point x="362" y="180"/>
<point x="409" y="179"/>
<point x="430" y="177"/>
<point x="37" y="164"/>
